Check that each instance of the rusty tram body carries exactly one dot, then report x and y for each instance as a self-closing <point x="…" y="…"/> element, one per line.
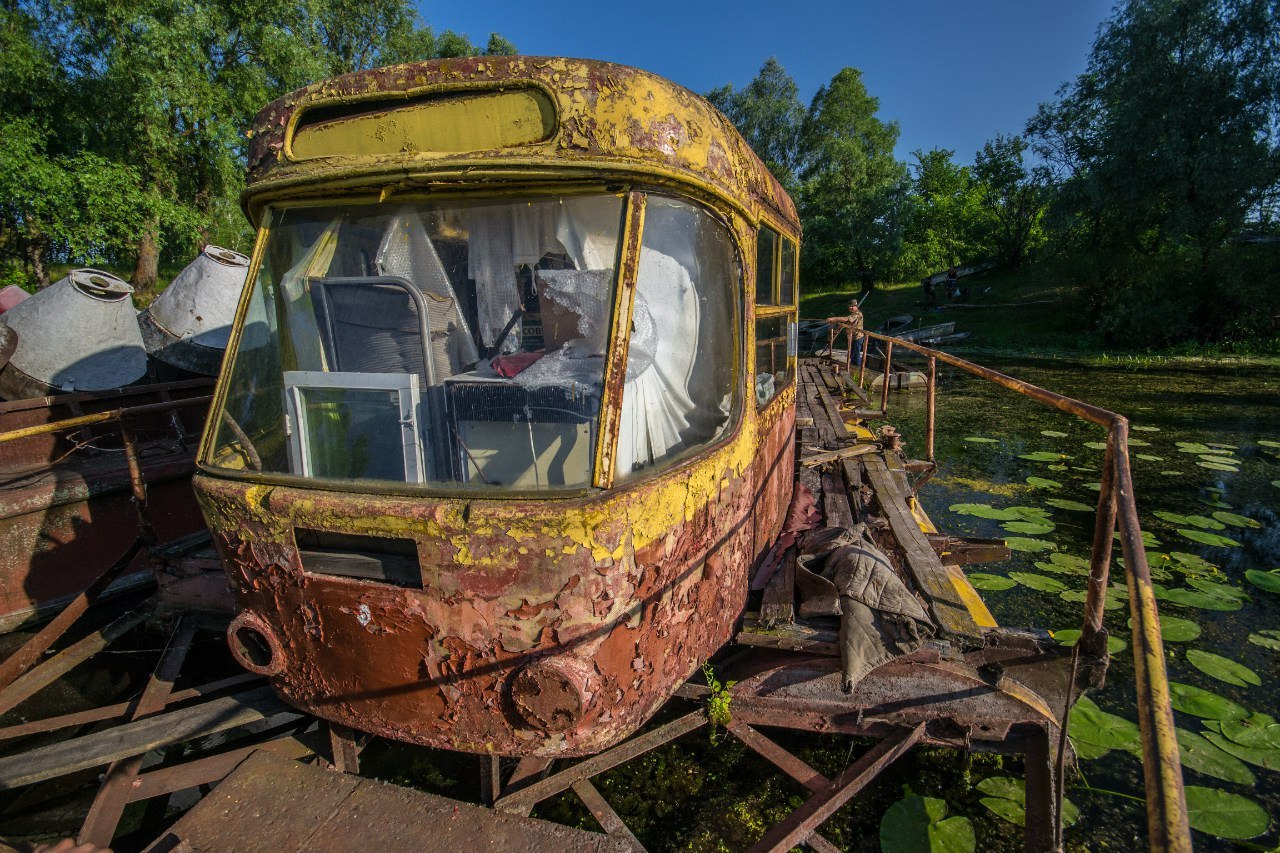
<point x="508" y="412"/>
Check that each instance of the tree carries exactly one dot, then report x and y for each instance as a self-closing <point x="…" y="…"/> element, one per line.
<point x="769" y="115"/>
<point x="852" y="189"/>
<point x="1013" y="195"/>
<point x="944" y="217"/>
<point x="1167" y="146"/>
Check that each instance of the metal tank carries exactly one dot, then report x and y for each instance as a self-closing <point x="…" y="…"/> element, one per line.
<point x="79" y="334"/>
<point x="188" y="325"/>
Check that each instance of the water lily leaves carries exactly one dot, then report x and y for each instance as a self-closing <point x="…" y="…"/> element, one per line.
<point x="1268" y="443"/>
<point x="983" y="511"/>
<point x="1204" y="704"/>
<point x="1258" y="731"/>
<point x="1214" y="502"/>
<point x="1022" y="543"/>
<point x="1236" y="520"/>
<point x="1070" y="506"/>
<point x="1223" y="669"/>
<point x="1097" y="487"/>
<point x="1144" y="428"/>
<point x="1096" y="445"/>
<point x="1091" y="724"/>
<point x="1193" y="562"/>
<point x="1190" y="520"/>
<point x="1057" y="467"/>
<point x="1137" y="442"/>
<point x="989" y="582"/>
<point x="1269" y="581"/>
<point x="1148" y="457"/>
<point x="1053" y="433"/>
<point x="1193" y="447"/>
<point x="1225" y="815"/>
<point x="1221" y="590"/>
<point x="978" y="439"/>
<point x="1267" y="638"/>
<point x="1115" y="599"/>
<point x="1175" y="629"/>
<point x="1043" y="456"/>
<point x="1032" y="528"/>
<point x="1043" y="483"/>
<point x="1206" y="538"/>
<point x="1007" y="798"/>
<point x="1070" y="636"/>
<point x="1204" y="757"/>
<point x="1199" y="599"/>
<point x="1064" y="564"/>
<point x="1276" y="483"/>
<point x="1171" y="473"/>
<point x="1205" y="462"/>
<point x="1267" y="759"/>
<point x="921" y="825"/>
<point x="1040" y="583"/>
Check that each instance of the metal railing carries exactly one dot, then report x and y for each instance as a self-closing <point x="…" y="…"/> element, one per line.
<point x="1117" y="508"/>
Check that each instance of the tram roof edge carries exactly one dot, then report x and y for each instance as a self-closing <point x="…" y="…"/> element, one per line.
<point x="505" y="113"/>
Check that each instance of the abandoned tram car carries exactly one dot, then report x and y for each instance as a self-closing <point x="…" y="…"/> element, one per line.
<point x="507" y="415"/>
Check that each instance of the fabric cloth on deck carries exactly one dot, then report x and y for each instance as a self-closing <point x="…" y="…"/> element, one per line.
<point x="880" y="619"/>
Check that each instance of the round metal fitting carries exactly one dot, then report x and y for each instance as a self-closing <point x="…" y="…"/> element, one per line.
<point x="254" y="645"/>
<point x="553" y="694"/>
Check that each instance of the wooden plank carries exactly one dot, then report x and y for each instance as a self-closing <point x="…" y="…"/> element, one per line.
<point x="94" y="750"/>
<point x="120" y="709"/>
<point x="203" y="771"/>
<point x="778" y="605"/>
<point x="835" y="501"/>
<point x="604" y="814"/>
<point x="55" y="667"/>
<point x="839" y="453"/>
<point x="804" y="820"/>
<point x="931" y="577"/>
<point x="113" y="795"/>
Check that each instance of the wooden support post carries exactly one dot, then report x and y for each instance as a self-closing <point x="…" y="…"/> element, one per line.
<point x="1043" y="830"/>
<point x="931" y="396"/>
<point x="604" y="814"/>
<point x="490" y="779"/>
<point x="113" y="795"/>
<point x="884" y="379"/>
<point x="344" y="749"/>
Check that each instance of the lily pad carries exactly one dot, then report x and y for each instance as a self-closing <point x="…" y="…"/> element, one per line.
<point x="978" y="439"/>
<point x="1007" y="798"/>
<point x="1206" y="538"/>
<point x="1041" y="583"/>
<point x="1267" y="759"/>
<point x="1043" y="456"/>
<point x="1058" y="468"/>
<point x="989" y="582"/>
<point x="1204" y="757"/>
<point x="1097" y="487"/>
<point x="1064" y="564"/>
<point x="1096" y="445"/>
<point x="1236" y="520"/>
<point x="1193" y="447"/>
<point x="1223" y="669"/>
<point x="1204" y="704"/>
<point x="1217" y="466"/>
<point x="1171" y="473"/>
<point x="1091" y="724"/>
<point x="1269" y="581"/>
<point x="986" y="511"/>
<point x="1268" y="443"/>
<point x="1022" y="543"/>
<point x="1031" y="528"/>
<point x="1214" y="502"/>
<point x="1204" y="523"/>
<point x="1259" y="731"/>
<point x="1193" y="561"/>
<point x="1225" y="815"/>
<point x="1070" y="506"/>
<point x="1144" y="428"/>
<point x="921" y="825"/>
<point x="1267" y="638"/>
<point x="1200" y="599"/>
<point x="1137" y="442"/>
<point x="1070" y="636"/>
<point x="1148" y="457"/>
<point x="1222" y="590"/>
<point x="1053" y="433"/>
<point x="1043" y="483"/>
<point x="1079" y="596"/>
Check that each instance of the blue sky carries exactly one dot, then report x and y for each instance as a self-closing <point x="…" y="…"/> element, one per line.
<point x="953" y="74"/>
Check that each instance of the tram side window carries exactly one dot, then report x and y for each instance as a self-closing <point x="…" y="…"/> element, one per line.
<point x="775" y="348"/>
<point x="456" y="343"/>
<point x="681" y="390"/>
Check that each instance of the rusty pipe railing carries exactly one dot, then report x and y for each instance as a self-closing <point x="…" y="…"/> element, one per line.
<point x="1117" y="507"/>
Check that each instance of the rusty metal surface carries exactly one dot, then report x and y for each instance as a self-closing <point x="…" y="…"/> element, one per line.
<point x="611" y="119"/>
<point x="542" y="627"/>
<point x="272" y="803"/>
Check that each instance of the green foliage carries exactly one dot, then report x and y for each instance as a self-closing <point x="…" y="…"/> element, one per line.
<point x="769" y="115"/>
<point x="920" y="825"/>
<point x="718" y="714"/>
<point x="124" y="124"/>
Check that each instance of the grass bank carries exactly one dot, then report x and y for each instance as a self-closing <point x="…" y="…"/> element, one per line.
<point x="1029" y="312"/>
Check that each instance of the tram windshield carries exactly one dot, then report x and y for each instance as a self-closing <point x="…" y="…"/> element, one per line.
<point x="459" y="344"/>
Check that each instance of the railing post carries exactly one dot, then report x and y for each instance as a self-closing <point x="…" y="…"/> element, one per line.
<point x="1093" y="639"/>
<point x="884" y="379"/>
<point x="1166" y="801"/>
<point x="931" y="391"/>
<point x="862" y="362"/>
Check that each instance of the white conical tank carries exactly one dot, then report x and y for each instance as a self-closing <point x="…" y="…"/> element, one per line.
<point x="78" y="334"/>
<point x="189" y="325"/>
